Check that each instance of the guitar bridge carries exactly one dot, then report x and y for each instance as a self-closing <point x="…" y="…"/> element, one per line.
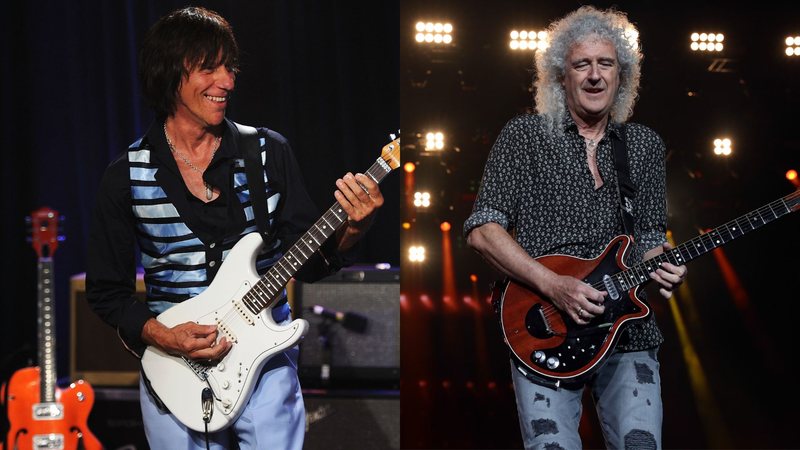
<point x="199" y="369"/>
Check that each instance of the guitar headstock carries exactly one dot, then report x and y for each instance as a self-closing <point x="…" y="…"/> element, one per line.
<point x="44" y="237"/>
<point x="391" y="152"/>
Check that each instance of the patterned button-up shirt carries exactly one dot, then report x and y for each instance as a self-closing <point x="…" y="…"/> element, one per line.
<point x="538" y="187"/>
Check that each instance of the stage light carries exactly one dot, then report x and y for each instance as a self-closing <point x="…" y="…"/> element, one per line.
<point x="709" y="42"/>
<point x="438" y="33"/>
<point x="406" y="226"/>
<point x="527" y="40"/>
<point x="473" y="278"/>
<point x="409" y="167"/>
<point x="792" y="46"/>
<point x="422" y="199"/>
<point x="434" y="141"/>
<point x="445" y="226"/>
<point x="416" y="253"/>
<point x="791" y="175"/>
<point x="723" y="146"/>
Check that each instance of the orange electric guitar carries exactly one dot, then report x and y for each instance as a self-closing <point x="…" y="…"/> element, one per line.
<point x="42" y="415"/>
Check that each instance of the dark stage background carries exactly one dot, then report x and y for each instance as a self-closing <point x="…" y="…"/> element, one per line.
<point x="324" y="74"/>
<point x="733" y="387"/>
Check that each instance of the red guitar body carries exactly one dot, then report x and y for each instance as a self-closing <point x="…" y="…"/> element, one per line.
<point x="546" y="340"/>
<point x="551" y="347"/>
<point x="26" y="431"/>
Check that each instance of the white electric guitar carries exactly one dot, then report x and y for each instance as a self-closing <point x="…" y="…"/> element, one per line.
<point x="210" y="397"/>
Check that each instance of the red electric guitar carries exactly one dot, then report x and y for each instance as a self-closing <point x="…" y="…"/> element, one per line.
<point x="42" y="415"/>
<point x="551" y="346"/>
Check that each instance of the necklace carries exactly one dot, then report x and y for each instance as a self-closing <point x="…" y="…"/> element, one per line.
<point x="591" y="144"/>
<point x="209" y="190"/>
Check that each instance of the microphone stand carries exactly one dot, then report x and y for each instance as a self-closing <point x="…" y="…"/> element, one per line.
<point x="325" y="330"/>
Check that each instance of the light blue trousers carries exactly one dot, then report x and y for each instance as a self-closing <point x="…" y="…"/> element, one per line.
<point x="274" y="418"/>
<point x="627" y="396"/>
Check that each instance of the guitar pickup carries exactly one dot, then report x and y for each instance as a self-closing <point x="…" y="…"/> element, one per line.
<point x="608" y="282"/>
<point x="48" y="411"/>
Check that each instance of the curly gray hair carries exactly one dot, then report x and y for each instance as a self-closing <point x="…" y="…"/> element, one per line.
<point x="585" y="23"/>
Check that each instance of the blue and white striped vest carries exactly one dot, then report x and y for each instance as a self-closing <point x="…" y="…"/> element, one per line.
<point x="174" y="259"/>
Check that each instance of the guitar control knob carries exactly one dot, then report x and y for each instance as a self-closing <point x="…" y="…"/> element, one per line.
<point x="221" y="367"/>
<point x="538" y="356"/>
<point x="226" y="403"/>
<point x="226" y="384"/>
<point x="552" y="362"/>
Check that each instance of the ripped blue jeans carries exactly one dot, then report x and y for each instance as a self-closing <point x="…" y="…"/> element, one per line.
<point x="627" y="397"/>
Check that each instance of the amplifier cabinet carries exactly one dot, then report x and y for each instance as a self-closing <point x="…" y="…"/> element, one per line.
<point x="96" y="352"/>
<point x="335" y="354"/>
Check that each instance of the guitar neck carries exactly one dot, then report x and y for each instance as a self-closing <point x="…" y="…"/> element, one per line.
<point x="267" y="290"/>
<point x="704" y="243"/>
<point x="46" y="330"/>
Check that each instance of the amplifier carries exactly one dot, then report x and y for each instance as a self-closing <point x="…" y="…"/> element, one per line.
<point x="354" y="334"/>
<point x="96" y="352"/>
<point x="339" y="420"/>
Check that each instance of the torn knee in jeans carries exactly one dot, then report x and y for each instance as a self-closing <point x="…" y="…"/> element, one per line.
<point x="644" y="374"/>
<point x="640" y="439"/>
<point x="541" y="398"/>
<point x="544" y="426"/>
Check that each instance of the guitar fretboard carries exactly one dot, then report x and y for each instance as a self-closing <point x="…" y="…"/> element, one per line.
<point x="267" y="290"/>
<point x="46" y="331"/>
<point x="704" y="243"/>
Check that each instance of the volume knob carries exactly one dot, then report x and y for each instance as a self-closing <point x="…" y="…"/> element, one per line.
<point x="552" y="362"/>
<point x="539" y="356"/>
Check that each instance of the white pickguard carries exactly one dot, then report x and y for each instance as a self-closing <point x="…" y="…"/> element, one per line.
<point x="256" y="339"/>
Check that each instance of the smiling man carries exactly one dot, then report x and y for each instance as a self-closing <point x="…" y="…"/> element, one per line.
<point x="550" y="187"/>
<point x="182" y="194"/>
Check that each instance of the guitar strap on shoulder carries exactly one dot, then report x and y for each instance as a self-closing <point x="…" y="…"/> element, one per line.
<point x="254" y="169"/>
<point x="627" y="190"/>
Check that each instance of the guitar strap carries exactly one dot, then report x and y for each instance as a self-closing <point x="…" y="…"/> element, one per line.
<point x="627" y="190"/>
<point x="254" y="168"/>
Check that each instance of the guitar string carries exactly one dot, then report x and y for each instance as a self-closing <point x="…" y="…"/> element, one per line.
<point x="232" y="314"/>
<point x="549" y="310"/>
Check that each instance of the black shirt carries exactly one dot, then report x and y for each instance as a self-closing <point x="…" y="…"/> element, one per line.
<point x="111" y="260"/>
<point x="539" y="186"/>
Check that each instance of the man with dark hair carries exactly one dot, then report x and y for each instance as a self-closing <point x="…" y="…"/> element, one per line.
<point x="181" y="194"/>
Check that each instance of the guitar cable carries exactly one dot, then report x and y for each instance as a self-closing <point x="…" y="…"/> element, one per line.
<point x="207" y="403"/>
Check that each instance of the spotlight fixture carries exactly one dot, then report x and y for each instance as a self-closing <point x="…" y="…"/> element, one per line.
<point x="433" y="33"/>
<point x="792" y="46"/>
<point x="791" y="175"/>
<point x="434" y="141"/>
<point x="422" y="199"/>
<point x="527" y="40"/>
<point x="707" y="42"/>
<point x="416" y="253"/>
<point x="722" y="146"/>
